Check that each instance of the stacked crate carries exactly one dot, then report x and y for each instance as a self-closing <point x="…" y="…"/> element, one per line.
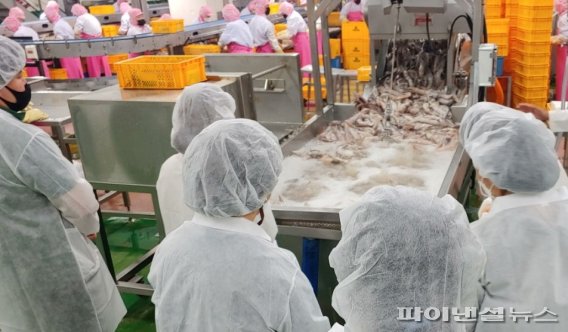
<point x="356" y="45"/>
<point x="498" y="34"/>
<point x="511" y="7"/>
<point x="530" y="51"/>
<point x="493" y="9"/>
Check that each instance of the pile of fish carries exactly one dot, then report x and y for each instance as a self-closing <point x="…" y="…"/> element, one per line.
<point x="414" y="110"/>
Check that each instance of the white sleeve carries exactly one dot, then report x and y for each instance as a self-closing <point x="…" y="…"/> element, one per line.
<point x="79" y="25"/>
<point x="345" y="11"/>
<point x="292" y="28"/>
<point x="271" y="35"/>
<point x="305" y="313"/>
<point x="79" y="206"/>
<point x="124" y="24"/>
<point x="226" y="36"/>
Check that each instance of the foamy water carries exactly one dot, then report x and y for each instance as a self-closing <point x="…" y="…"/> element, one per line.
<point x="314" y="183"/>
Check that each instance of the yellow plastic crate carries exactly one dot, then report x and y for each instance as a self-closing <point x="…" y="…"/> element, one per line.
<point x="102" y="10"/>
<point x="167" y="26"/>
<point x="531" y="70"/>
<point x="113" y="59"/>
<point x="354" y="30"/>
<point x="529" y="3"/>
<point x="274" y="8"/>
<point x="335" y="47"/>
<point x="110" y="30"/>
<point x="531" y="81"/>
<point x="502" y="42"/>
<point x="356" y="62"/>
<point x="532" y="47"/>
<point x="533" y="36"/>
<point x="544" y="11"/>
<point x="540" y="102"/>
<point x="198" y="49"/>
<point x="333" y="19"/>
<point x="498" y="26"/>
<point x="493" y="11"/>
<point x="364" y="74"/>
<point x="280" y="27"/>
<point x="161" y="72"/>
<point x="530" y="92"/>
<point x="58" y="74"/>
<point x="356" y="47"/>
<point x="528" y="58"/>
<point x="535" y="24"/>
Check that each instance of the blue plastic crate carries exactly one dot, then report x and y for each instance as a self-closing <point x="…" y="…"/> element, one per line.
<point x="336" y="62"/>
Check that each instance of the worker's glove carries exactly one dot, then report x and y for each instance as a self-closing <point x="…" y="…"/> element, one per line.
<point x="558" y="40"/>
<point x="33" y="114"/>
<point x="279" y="50"/>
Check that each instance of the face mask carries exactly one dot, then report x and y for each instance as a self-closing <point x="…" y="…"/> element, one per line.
<point x="485" y="192"/>
<point x="141" y="22"/>
<point x="22" y="99"/>
<point x="285" y="16"/>
<point x="357" y="2"/>
<point x="267" y="11"/>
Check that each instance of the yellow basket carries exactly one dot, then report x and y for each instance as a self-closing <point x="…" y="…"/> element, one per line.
<point x="274" y="8"/>
<point x="198" y="49"/>
<point x="530" y="92"/>
<point x="502" y="42"/>
<point x="335" y="47"/>
<point x="533" y="47"/>
<point x="540" y="102"/>
<point x="102" y="10"/>
<point x="161" y="72"/>
<point x="167" y="26"/>
<point x="364" y="74"/>
<point x="544" y="11"/>
<point x="531" y="59"/>
<point x="356" y="62"/>
<point x="333" y="19"/>
<point x="533" y="36"/>
<point x="535" y="24"/>
<point x="493" y="11"/>
<point x="531" y="81"/>
<point x="110" y="30"/>
<point x="497" y="26"/>
<point x="356" y="48"/>
<point x="354" y="30"/>
<point x="531" y="70"/>
<point x="58" y="74"/>
<point x="113" y="59"/>
<point x="280" y="27"/>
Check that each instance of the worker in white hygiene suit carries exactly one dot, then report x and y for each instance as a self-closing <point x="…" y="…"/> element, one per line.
<point x="53" y="277"/>
<point x="50" y="5"/>
<point x="525" y="232"/>
<point x="297" y="30"/>
<point x="197" y="107"/>
<point x="117" y="5"/>
<point x="353" y="11"/>
<point x="220" y="271"/>
<point x="138" y="24"/>
<point x="18" y="13"/>
<point x="249" y="9"/>
<point x="124" y="19"/>
<point x="205" y="14"/>
<point x="14" y="25"/>
<point x="237" y="36"/>
<point x="403" y="247"/>
<point x="63" y="31"/>
<point x="88" y="27"/>
<point x="263" y="33"/>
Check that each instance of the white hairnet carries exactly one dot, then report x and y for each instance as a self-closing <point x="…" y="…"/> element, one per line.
<point x="12" y="61"/>
<point x="231" y="168"/>
<point x="473" y="114"/>
<point x="199" y="106"/>
<point x="512" y="149"/>
<point x="401" y="247"/>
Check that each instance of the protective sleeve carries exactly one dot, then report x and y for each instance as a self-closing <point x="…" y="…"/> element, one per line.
<point x="79" y="26"/>
<point x="271" y="35"/>
<point x="124" y="24"/>
<point x="344" y="11"/>
<point x="305" y="313"/>
<point x="43" y="168"/>
<point x="227" y="35"/>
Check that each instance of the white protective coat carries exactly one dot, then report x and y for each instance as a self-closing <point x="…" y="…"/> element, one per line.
<point x="52" y="277"/>
<point x="134" y="30"/>
<point x="88" y="24"/>
<point x="63" y="30"/>
<point x="237" y="32"/>
<point x="351" y="7"/>
<point x="24" y="31"/>
<point x="225" y="274"/>
<point x="524" y="236"/>
<point x="263" y="32"/>
<point x="124" y="23"/>
<point x="295" y="23"/>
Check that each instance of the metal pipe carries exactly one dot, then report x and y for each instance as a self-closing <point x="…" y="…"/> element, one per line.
<point x="478" y="18"/>
<point x="268" y="71"/>
<point x="316" y="74"/>
<point x="330" y="86"/>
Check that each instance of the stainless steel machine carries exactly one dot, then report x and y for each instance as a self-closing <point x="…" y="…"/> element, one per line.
<point x="124" y="135"/>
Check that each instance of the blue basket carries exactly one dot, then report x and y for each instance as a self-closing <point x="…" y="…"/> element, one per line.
<point x="336" y="63"/>
<point x="500" y="65"/>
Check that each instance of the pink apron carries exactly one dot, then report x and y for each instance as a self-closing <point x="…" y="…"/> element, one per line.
<point x="355" y="16"/>
<point x="73" y="67"/>
<point x="266" y="48"/>
<point x="237" y="48"/>
<point x="34" y="71"/>
<point x="96" y="64"/>
<point x="302" y="46"/>
<point x="561" y="54"/>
